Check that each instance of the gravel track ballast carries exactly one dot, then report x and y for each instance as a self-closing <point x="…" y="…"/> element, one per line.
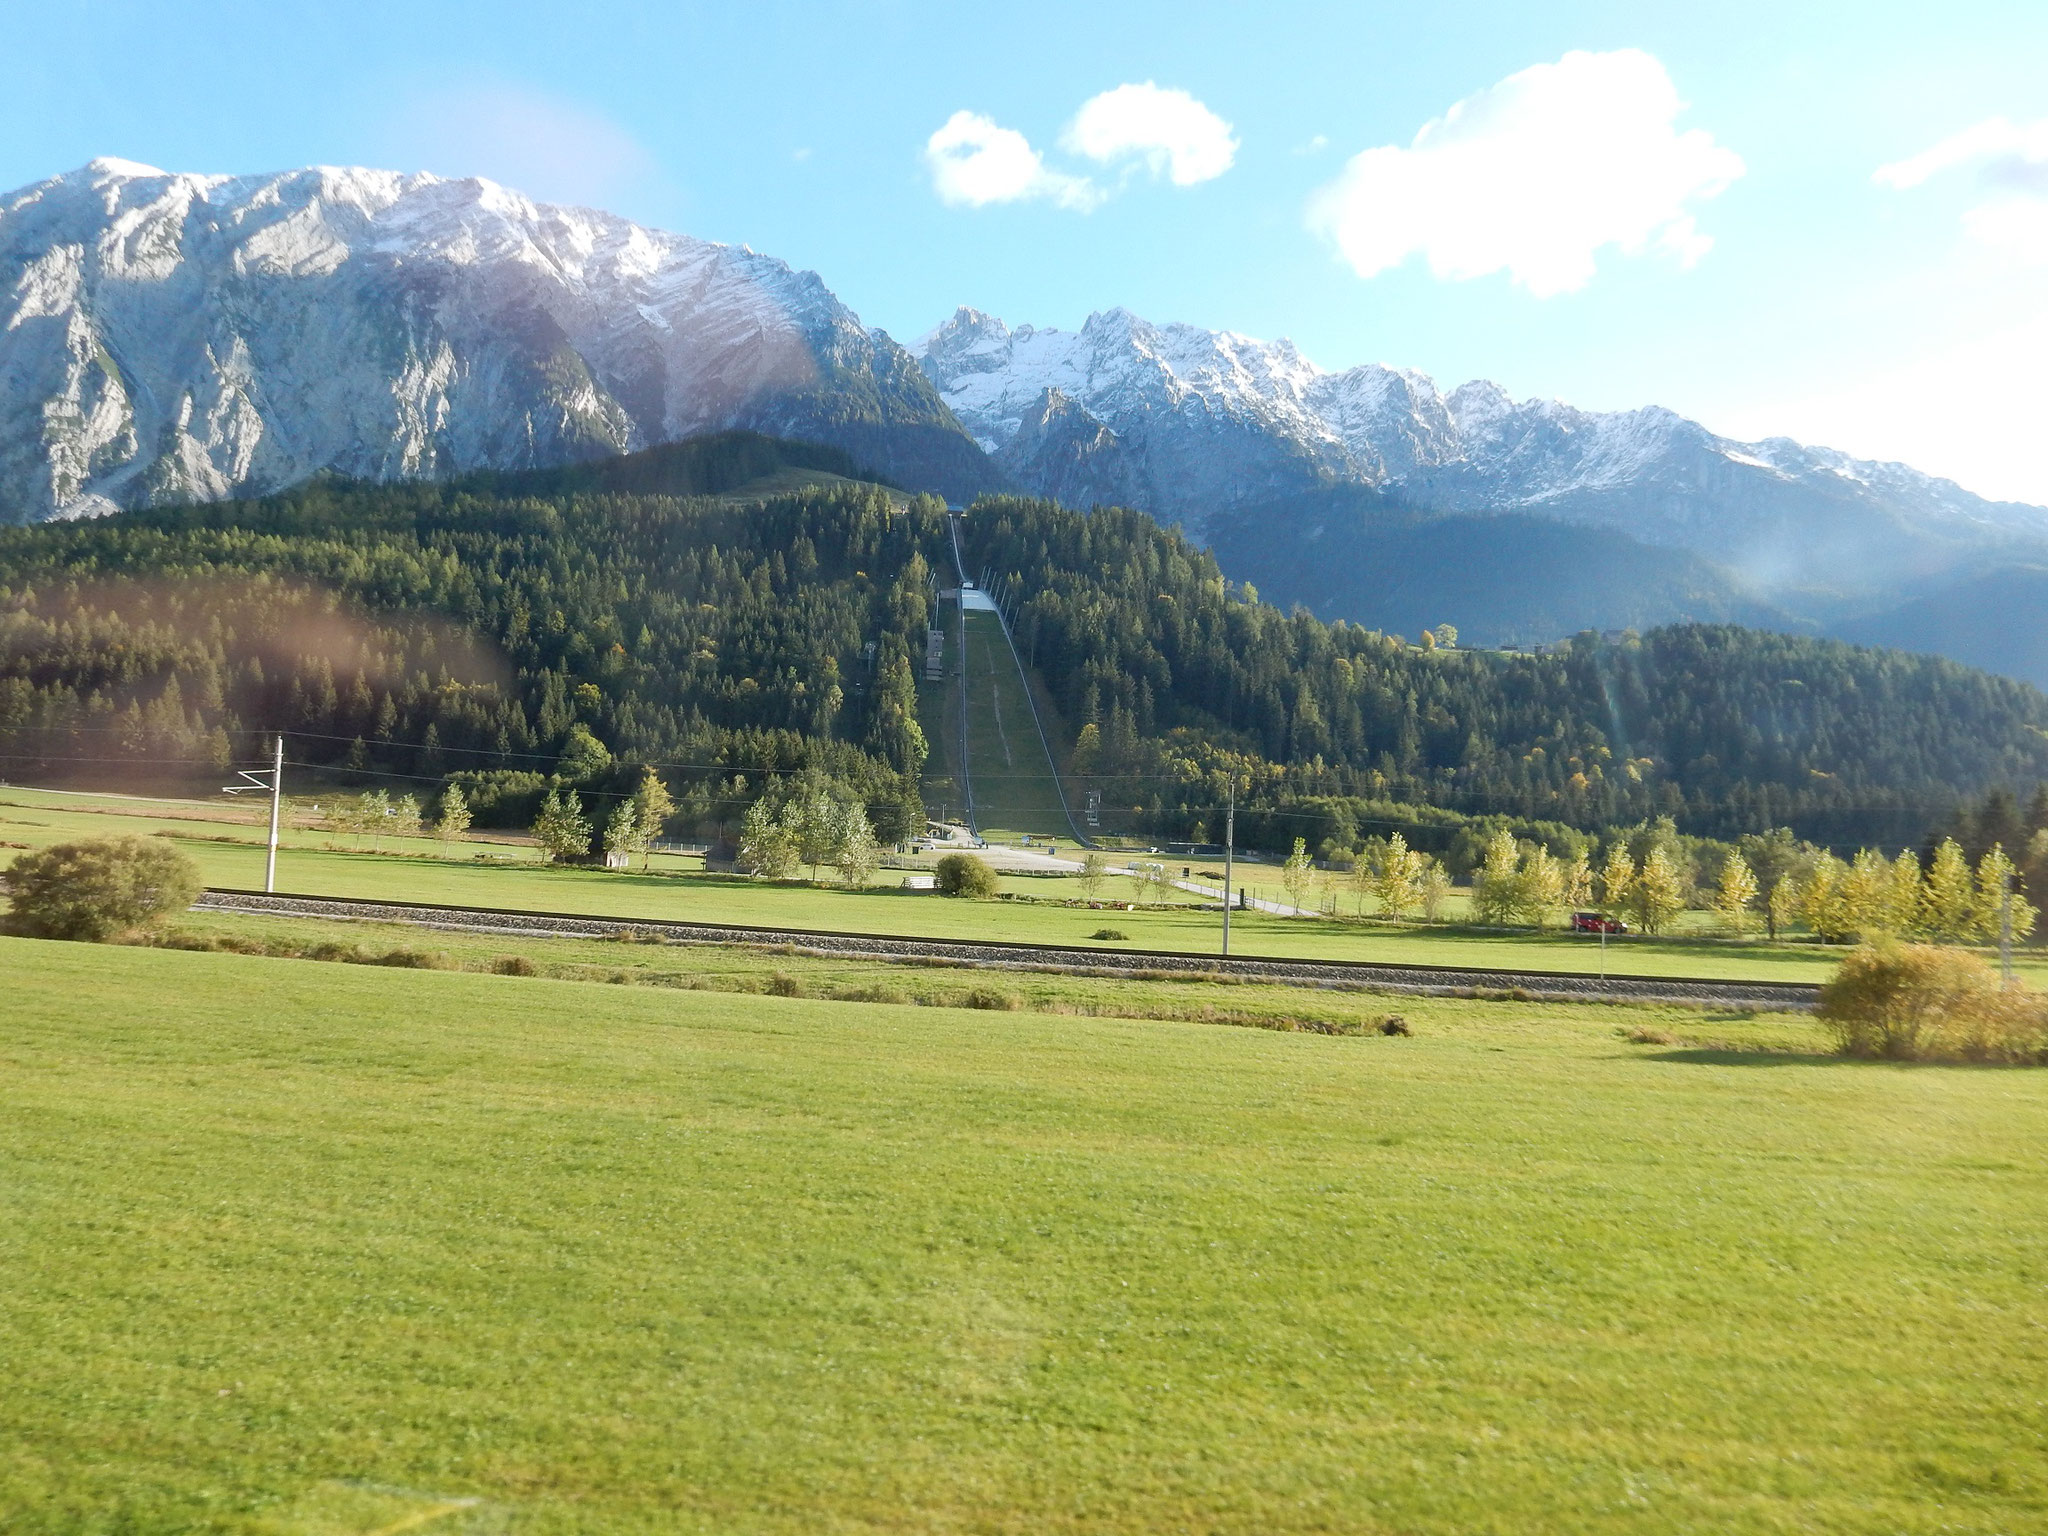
<point x="1441" y="981"/>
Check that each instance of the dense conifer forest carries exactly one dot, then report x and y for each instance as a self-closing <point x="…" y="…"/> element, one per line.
<point x="1727" y="730"/>
<point x="466" y="629"/>
<point x="573" y="624"/>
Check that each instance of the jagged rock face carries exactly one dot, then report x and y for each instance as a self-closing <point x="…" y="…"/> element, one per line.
<point x="1208" y="423"/>
<point x="1061" y="451"/>
<point x="1203" y="420"/>
<point x="171" y="337"/>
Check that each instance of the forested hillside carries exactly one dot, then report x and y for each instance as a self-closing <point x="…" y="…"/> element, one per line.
<point x="1726" y="729"/>
<point x="575" y="624"/>
<point x="429" y="630"/>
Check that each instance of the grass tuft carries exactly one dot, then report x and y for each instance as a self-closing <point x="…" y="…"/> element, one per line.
<point x="991" y="999"/>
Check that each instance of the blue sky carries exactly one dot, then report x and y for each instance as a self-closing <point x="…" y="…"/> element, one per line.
<point x="1635" y="203"/>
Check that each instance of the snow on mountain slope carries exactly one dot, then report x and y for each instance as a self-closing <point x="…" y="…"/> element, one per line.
<point x="1193" y="423"/>
<point x="164" y="337"/>
<point x="1200" y="419"/>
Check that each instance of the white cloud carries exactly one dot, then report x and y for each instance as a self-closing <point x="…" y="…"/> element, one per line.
<point x="1533" y="177"/>
<point x="2006" y="145"/>
<point x="2011" y="161"/>
<point x="1173" y="134"/>
<point x="975" y="161"/>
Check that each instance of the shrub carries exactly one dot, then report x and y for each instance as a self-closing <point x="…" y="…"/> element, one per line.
<point x="514" y="965"/>
<point x="418" y="960"/>
<point x="1922" y="1002"/>
<point x="991" y="999"/>
<point x="962" y="874"/>
<point x="873" y="992"/>
<point x="1109" y="933"/>
<point x="98" y="888"/>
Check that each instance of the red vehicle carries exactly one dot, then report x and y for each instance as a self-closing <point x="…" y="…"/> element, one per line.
<point x="1597" y="922"/>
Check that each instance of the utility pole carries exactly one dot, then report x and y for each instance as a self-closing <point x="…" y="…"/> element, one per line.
<point x="253" y="779"/>
<point x="276" y="798"/>
<point x="1229" y="848"/>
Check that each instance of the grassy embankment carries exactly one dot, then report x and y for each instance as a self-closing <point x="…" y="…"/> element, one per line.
<point x="682" y="893"/>
<point x="1014" y="789"/>
<point x="306" y="1248"/>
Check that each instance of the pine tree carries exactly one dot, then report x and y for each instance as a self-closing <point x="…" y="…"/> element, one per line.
<point x="1087" y="750"/>
<point x="1734" y="893"/>
<point x="1948" y="900"/>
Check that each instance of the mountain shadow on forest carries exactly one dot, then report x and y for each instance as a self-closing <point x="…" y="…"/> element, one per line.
<point x="1501" y="578"/>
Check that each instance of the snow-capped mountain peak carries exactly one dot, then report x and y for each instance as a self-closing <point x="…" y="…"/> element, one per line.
<point x="170" y="336"/>
<point x="1194" y="424"/>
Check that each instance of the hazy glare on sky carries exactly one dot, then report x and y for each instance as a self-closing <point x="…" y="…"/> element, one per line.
<point x="1823" y="220"/>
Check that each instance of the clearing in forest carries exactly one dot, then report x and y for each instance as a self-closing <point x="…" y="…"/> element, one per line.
<point x="1015" y="792"/>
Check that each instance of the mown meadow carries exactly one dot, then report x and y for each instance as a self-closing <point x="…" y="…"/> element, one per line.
<point x="498" y="874"/>
<point x="296" y="1247"/>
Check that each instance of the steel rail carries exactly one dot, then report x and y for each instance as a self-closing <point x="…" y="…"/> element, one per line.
<point x="1366" y="975"/>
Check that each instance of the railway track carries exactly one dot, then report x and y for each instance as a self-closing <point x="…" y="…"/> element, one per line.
<point x="1365" y="975"/>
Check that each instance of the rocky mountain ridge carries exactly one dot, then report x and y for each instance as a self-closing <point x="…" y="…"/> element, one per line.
<point x="1196" y="425"/>
<point x="170" y="337"/>
<point x="174" y="337"/>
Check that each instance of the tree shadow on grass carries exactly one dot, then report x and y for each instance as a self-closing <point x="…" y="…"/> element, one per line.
<point x="1737" y="1056"/>
<point x="1723" y="1056"/>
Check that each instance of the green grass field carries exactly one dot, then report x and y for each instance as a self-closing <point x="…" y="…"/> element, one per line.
<point x="680" y="892"/>
<point x="292" y="1247"/>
